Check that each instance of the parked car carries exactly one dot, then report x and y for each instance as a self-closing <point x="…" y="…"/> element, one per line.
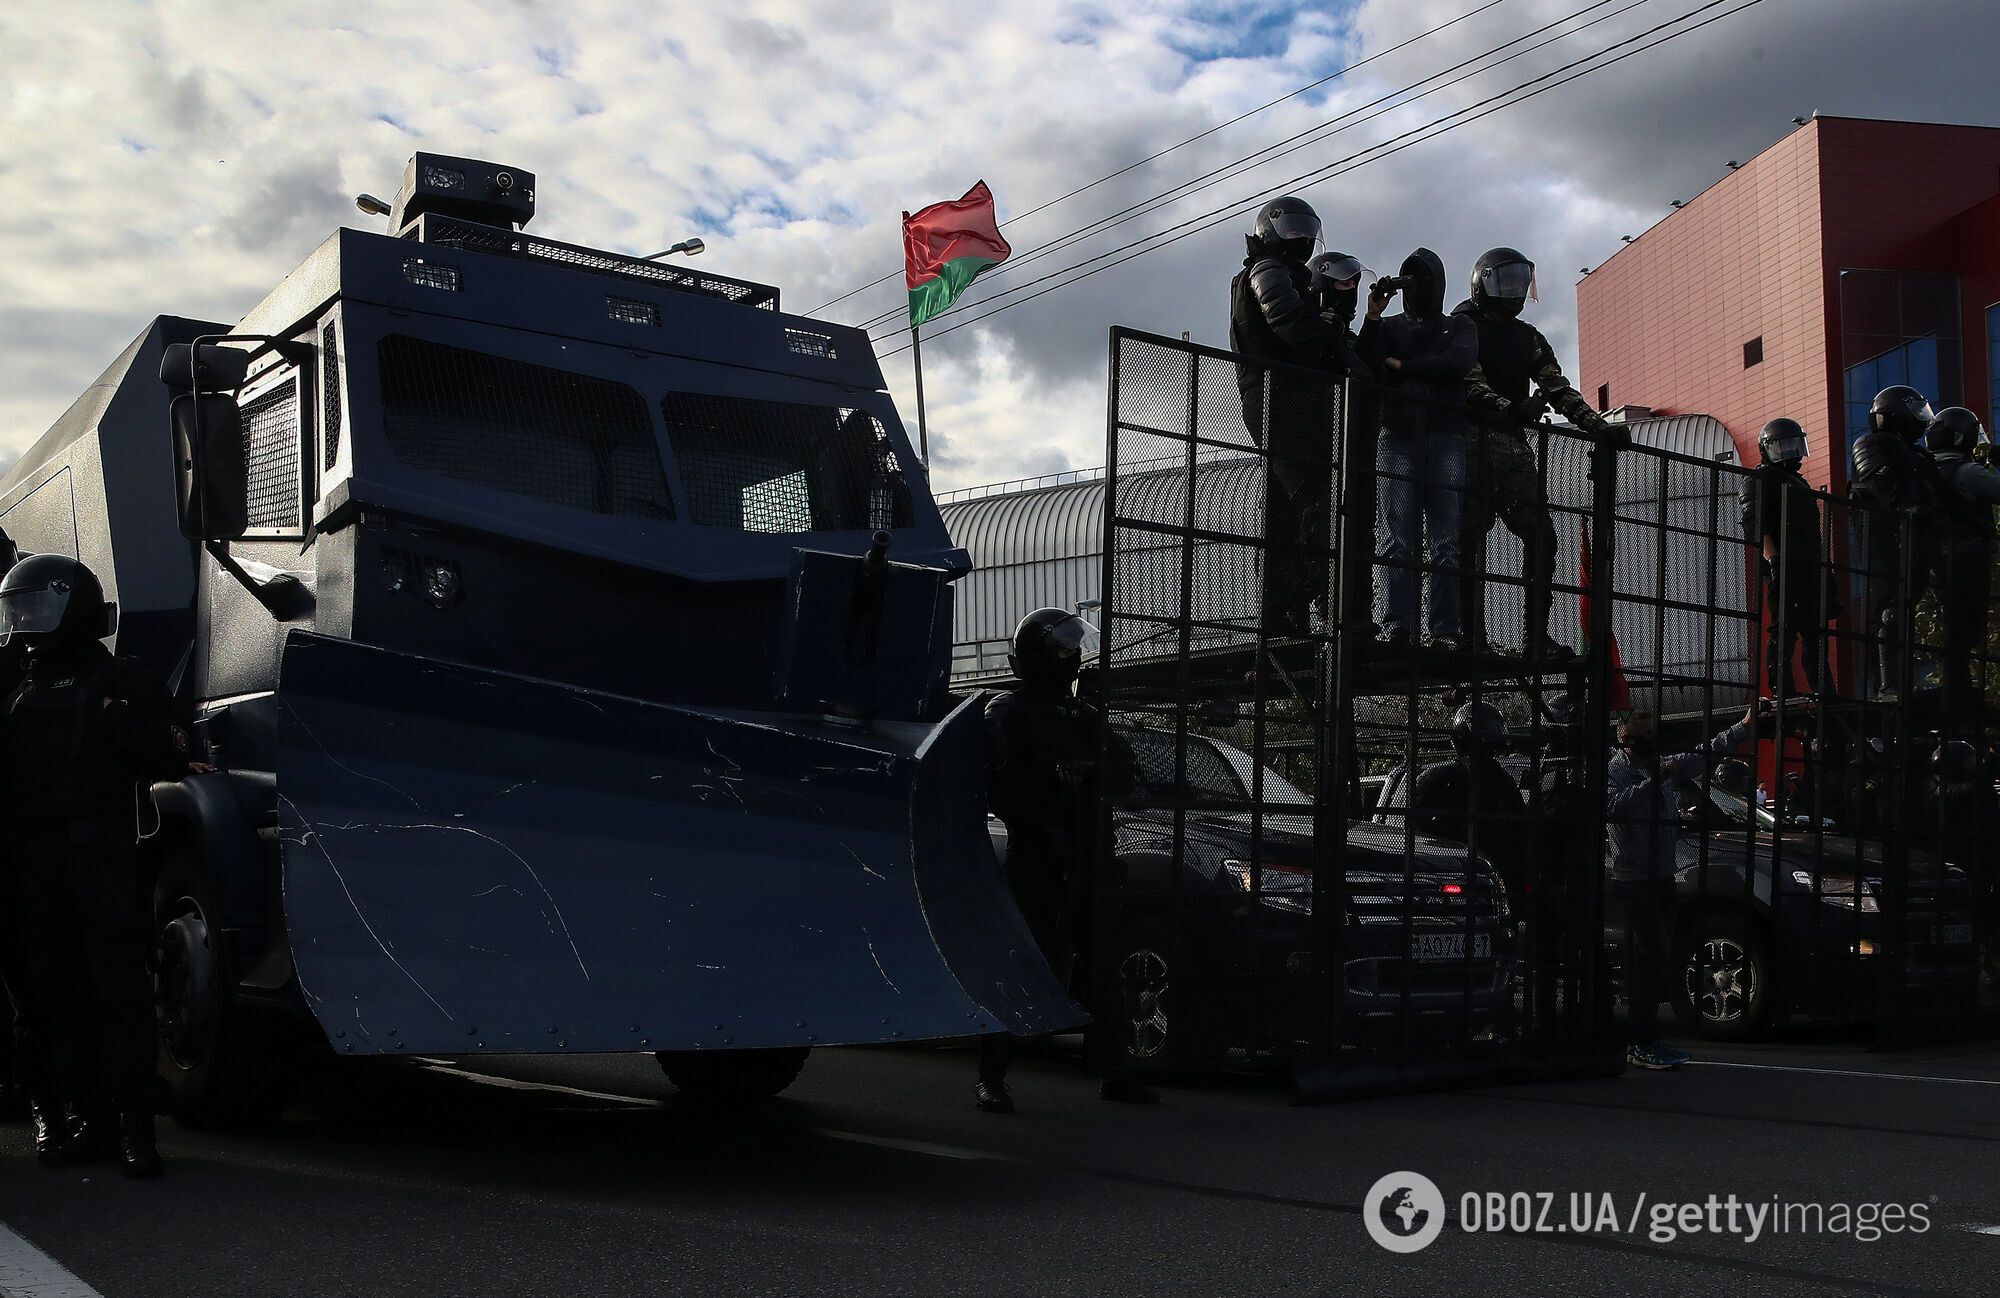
<point x="1209" y="918"/>
<point x="1820" y="949"/>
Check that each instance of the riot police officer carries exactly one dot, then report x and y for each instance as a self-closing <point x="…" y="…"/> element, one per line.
<point x="1962" y="558"/>
<point x="85" y="735"/>
<point x="1781" y="519"/>
<point x="1516" y="378"/>
<point x="1473" y="799"/>
<point x="1043" y="781"/>
<point x="1276" y="316"/>
<point x="27" y="1075"/>
<point x="1895" y="475"/>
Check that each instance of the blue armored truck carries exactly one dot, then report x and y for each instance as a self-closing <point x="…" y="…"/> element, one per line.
<point x="571" y="632"/>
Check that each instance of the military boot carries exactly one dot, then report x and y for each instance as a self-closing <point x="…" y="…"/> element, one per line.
<point x="49" y="1123"/>
<point x="136" y="1147"/>
<point x="86" y="1138"/>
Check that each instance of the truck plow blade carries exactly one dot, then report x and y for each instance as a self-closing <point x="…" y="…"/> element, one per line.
<point x="475" y="861"/>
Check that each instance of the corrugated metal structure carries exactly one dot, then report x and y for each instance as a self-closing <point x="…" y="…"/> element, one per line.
<point x="1039" y="542"/>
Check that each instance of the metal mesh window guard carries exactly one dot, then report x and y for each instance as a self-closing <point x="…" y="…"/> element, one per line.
<point x="274" y="455"/>
<point x="454" y="232"/>
<point x="782" y="466"/>
<point x="529" y="430"/>
<point x="329" y="429"/>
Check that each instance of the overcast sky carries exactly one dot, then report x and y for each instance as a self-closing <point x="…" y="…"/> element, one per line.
<point x="183" y="157"/>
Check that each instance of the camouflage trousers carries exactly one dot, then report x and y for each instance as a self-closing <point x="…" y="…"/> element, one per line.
<point x="1505" y="486"/>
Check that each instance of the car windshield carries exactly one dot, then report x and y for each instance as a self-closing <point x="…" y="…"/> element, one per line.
<point x="1212" y="777"/>
<point x="1726" y="810"/>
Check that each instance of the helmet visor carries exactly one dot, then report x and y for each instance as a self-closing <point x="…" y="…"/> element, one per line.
<point x="1072" y="638"/>
<point x="31" y="612"/>
<point x="1786" y="449"/>
<point x="1295" y="226"/>
<point x="1514" y="281"/>
<point x="1338" y="268"/>
<point x="1920" y="410"/>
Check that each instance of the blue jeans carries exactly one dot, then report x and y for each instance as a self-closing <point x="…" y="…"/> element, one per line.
<point x="1421" y="486"/>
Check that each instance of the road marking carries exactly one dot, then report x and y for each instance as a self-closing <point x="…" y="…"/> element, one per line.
<point x="27" y="1272"/>
<point x="512" y="1084"/>
<point x="1845" y="1072"/>
<point x="915" y="1146"/>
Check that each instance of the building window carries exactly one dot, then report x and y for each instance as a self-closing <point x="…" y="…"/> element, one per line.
<point x="1898" y="327"/>
<point x="1753" y="352"/>
<point x="1604" y="396"/>
<point x="1993" y="365"/>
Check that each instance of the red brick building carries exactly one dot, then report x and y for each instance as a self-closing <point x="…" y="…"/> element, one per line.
<point x="1847" y="256"/>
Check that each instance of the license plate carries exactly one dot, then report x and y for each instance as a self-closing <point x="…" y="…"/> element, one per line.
<point x="1451" y="946"/>
<point x="1958" y="935"/>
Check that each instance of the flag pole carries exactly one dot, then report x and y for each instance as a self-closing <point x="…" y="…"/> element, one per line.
<point x="923" y="433"/>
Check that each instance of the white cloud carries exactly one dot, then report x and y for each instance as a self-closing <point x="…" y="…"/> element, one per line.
<point x="184" y="160"/>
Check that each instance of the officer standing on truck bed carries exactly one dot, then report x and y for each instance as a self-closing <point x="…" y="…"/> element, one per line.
<point x="85" y="734"/>
<point x="1781" y="520"/>
<point x="1963" y="559"/>
<point x="1895" y="475"/>
<point x="1284" y="310"/>
<point x="1516" y="379"/>
<point x="1043" y="781"/>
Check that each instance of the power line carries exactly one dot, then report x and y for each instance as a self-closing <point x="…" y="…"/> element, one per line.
<point x="1192" y="139"/>
<point x="1277" y="150"/>
<point x="1345" y="165"/>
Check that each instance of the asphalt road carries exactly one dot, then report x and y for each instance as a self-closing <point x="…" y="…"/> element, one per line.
<point x="875" y="1175"/>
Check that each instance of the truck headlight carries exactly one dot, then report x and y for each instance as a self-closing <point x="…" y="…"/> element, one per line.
<point x="1842" y="890"/>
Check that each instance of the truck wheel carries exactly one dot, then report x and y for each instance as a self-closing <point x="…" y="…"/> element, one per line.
<point x="1722" y="984"/>
<point x="1149" y="1015"/>
<point x="224" y="1065"/>
<point x="732" y="1076"/>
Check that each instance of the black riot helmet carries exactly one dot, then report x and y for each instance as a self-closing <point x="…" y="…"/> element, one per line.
<point x="1954" y="761"/>
<point x="1478" y="728"/>
<point x="1732" y="775"/>
<point x="1503" y="281"/>
<point x="1954" y="430"/>
<point x="50" y="599"/>
<point x="1048" y="648"/>
<point x="1782" y="441"/>
<point x="1902" y="410"/>
<point x="1289" y="226"/>
<point x="1330" y="270"/>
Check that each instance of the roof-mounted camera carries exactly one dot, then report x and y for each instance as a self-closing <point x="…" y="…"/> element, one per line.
<point x="485" y="192"/>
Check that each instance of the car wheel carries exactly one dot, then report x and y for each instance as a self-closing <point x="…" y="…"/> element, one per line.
<point x="1723" y="986"/>
<point x="224" y="1065"/>
<point x="732" y="1076"/>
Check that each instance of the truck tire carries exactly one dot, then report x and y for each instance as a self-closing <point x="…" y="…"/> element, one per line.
<point x="224" y="1065"/>
<point x="1722" y="979"/>
<point x="732" y="1076"/>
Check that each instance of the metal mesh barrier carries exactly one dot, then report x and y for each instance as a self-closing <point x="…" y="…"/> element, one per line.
<point x="1317" y="848"/>
<point x="784" y="466"/>
<point x="568" y="439"/>
<point x="274" y="457"/>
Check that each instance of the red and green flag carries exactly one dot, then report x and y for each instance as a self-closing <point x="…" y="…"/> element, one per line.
<point x="945" y="246"/>
<point x="1620" y="699"/>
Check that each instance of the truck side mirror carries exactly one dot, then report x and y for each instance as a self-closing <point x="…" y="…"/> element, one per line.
<point x="214" y="367"/>
<point x="211" y="470"/>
